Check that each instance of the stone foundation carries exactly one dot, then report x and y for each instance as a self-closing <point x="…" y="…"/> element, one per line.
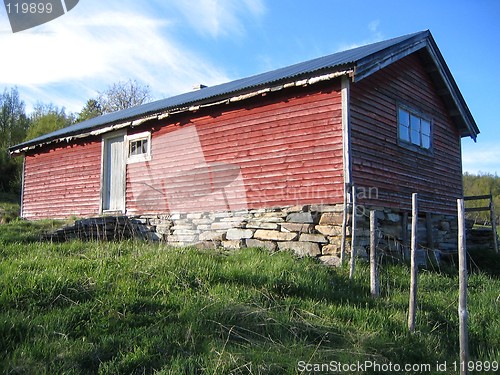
<point x="311" y="230"/>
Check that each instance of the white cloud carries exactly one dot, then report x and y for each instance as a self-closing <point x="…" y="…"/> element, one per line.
<point x="373" y="26"/>
<point x="67" y="60"/>
<point x="218" y="17"/>
<point x="375" y="36"/>
<point x="483" y="157"/>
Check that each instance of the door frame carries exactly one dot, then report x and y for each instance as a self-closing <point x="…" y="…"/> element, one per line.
<point x="104" y="149"/>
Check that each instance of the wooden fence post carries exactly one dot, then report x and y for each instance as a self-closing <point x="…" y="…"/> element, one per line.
<point x="344" y="225"/>
<point x="462" y="300"/>
<point x="404" y="225"/>
<point x="414" y="266"/>
<point x="353" y="234"/>
<point x="374" y="281"/>
<point x="493" y="221"/>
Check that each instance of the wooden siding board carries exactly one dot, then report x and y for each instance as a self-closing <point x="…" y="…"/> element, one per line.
<point x="287" y="146"/>
<point x="378" y="160"/>
<point x="63" y="182"/>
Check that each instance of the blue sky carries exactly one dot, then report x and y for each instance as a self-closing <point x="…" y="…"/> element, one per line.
<point x="172" y="45"/>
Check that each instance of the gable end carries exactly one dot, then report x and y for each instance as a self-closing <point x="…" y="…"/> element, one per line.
<point x="435" y="65"/>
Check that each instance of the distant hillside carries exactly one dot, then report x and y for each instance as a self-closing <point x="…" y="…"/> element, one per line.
<point x="482" y="184"/>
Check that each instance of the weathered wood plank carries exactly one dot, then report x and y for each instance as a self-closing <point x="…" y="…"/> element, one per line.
<point x="288" y="148"/>
<point x="63" y="182"/>
<point x="462" y="286"/>
<point x="412" y="307"/>
<point x="477" y="209"/>
<point x="375" y="148"/>
<point x="476" y="197"/>
<point x="374" y="279"/>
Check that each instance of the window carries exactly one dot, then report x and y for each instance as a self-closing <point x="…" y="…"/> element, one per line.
<point x="414" y="129"/>
<point x="139" y="147"/>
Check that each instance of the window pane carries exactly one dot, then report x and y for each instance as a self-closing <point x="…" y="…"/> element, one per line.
<point x="426" y="141"/>
<point x="415" y="137"/>
<point x="133" y="148"/>
<point x="414" y="129"/>
<point x="426" y="127"/>
<point x="404" y="133"/>
<point x="415" y="123"/>
<point x="139" y="147"/>
<point x="404" y="117"/>
<point x="144" y="146"/>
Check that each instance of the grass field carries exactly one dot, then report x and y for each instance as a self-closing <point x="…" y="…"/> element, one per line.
<point x="138" y="308"/>
<point x="9" y="207"/>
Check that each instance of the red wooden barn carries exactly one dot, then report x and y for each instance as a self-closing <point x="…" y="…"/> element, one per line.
<point x="268" y="160"/>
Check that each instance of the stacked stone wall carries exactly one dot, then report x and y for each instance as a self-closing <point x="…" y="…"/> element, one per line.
<point x="310" y="230"/>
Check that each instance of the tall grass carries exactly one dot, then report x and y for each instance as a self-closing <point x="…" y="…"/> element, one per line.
<point x="135" y="308"/>
<point x="9" y="207"/>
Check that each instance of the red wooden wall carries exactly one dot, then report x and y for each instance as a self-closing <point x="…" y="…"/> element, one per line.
<point x="379" y="162"/>
<point x="281" y="149"/>
<point x="64" y="181"/>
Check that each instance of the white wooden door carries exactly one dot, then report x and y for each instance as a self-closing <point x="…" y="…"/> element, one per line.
<point x="113" y="198"/>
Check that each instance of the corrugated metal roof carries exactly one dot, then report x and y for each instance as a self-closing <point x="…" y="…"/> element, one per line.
<point x="350" y="58"/>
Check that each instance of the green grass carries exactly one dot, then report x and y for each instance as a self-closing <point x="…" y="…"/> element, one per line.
<point x="138" y="308"/>
<point x="9" y="207"/>
<point x="25" y="232"/>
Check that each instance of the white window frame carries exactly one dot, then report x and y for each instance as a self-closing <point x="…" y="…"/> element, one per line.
<point x="141" y="157"/>
<point x="411" y="143"/>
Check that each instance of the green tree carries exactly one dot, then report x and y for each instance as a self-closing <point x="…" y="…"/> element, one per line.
<point x="13" y="126"/>
<point x="91" y="109"/>
<point x="118" y="96"/>
<point x="13" y="120"/>
<point x="47" y="118"/>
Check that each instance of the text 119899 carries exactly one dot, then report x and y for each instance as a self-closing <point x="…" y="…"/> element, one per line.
<point x="29" y="8"/>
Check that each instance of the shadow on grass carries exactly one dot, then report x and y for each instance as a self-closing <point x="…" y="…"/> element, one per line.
<point x="330" y="286"/>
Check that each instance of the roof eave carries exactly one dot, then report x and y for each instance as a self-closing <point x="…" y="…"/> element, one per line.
<point x="373" y="63"/>
<point x="469" y="126"/>
<point x="377" y="61"/>
<point x="302" y="80"/>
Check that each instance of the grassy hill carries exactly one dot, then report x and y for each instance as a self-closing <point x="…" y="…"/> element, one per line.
<point x="138" y="308"/>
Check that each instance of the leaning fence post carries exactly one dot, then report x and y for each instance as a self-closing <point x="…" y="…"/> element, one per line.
<point x="462" y="300"/>
<point x="353" y="234"/>
<point x="374" y="282"/>
<point x="493" y="223"/>
<point x="414" y="267"/>
<point x="344" y="225"/>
